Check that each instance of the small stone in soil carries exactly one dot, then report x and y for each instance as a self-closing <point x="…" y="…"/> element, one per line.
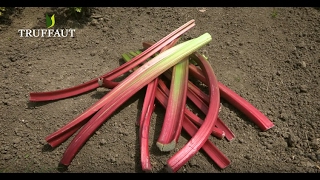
<point x="7" y="156"/>
<point x="247" y="156"/>
<point x="269" y="146"/>
<point x="303" y="88"/>
<point x="284" y="116"/>
<point x="93" y="53"/>
<point x="94" y="22"/>
<point x="16" y="141"/>
<point x="103" y="142"/>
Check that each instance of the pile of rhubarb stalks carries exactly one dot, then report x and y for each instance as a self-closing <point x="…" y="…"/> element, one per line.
<point x="164" y="69"/>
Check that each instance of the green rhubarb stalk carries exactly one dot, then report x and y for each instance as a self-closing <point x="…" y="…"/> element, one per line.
<point x="129" y="86"/>
<point x="172" y="124"/>
<point x="190" y="115"/>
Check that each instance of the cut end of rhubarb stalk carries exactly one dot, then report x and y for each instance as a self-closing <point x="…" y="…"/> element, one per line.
<point x="267" y="127"/>
<point x="62" y="167"/>
<point x="168" y="169"/>
<point x="166" y="147"/>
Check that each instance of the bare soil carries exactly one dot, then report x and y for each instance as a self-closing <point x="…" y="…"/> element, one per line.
<point x="269" y="56"/>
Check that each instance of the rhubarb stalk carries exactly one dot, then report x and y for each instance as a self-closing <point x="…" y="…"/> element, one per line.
<point x="174" y="114"/>
<point x="239" y="102"/>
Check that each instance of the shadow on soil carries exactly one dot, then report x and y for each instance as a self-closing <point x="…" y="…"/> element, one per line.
<point x="8" y="12"/>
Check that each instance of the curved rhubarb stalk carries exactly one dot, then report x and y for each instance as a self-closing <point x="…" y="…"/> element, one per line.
<point x="237" y="101"/>
<point x="93" y="84"/>
<point x="217" y="132"/>
<point x="200" y="137"/>
<point x="204" y="108"/>
<point x="144" y="140"/>
<point x="147" y="110"/>
<point x="129" y="86"/>
<point x="214" y="153"/>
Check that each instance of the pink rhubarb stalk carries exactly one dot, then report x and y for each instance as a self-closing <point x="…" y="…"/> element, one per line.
<point x="174" y="114"/>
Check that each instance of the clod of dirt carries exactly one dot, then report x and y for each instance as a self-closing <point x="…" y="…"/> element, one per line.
<point x="94" y="22"/>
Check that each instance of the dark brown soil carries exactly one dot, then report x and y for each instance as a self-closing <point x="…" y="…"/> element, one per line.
<point x="269" y="56"/>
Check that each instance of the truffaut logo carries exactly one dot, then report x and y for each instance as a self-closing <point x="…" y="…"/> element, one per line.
<point x="50" y="22"/>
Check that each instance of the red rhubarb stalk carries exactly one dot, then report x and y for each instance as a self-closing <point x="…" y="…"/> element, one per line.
<point x="214" y="153"/>
<point x="144" y="140"/>
<point x="246" y="108"/>
<point x="240" y="103"/>
<point x="145" y="117"/>
<point x="204" y="108"/>
<point x="200" y="137"/>
<point x="93" y="84"/>
<point x="129" y="86"/>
